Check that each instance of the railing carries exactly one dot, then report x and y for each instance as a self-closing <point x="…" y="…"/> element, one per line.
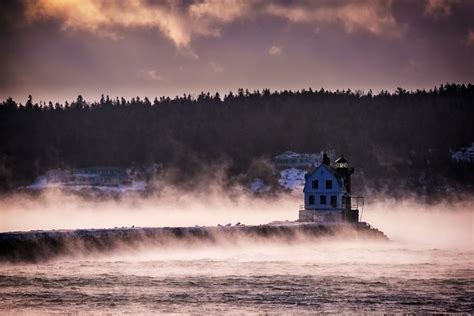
<point x="320" y="208"/>
<point x="356" y="203"/>
<point x="352" y="205"/>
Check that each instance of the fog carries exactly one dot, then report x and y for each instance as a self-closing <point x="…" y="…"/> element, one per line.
<point x="444" y="225"/>
<point x="429" y="258"/>
<point x="61" y="210"/>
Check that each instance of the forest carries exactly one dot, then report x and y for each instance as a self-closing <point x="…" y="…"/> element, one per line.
<point x="397" y="142"/>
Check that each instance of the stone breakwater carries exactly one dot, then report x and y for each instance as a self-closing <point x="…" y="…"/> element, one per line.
<point x="40" y="246"/>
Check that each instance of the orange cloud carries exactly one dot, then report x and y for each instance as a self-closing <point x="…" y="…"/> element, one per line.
<point x="222" y="10"/>
<point x="371" y="16"/>
<point x="103" y="17"/>
<point x="181" y="22"/>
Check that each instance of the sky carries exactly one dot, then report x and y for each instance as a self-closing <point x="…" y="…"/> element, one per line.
<point x="58" y="49"/>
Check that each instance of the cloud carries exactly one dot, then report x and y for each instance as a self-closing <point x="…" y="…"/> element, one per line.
<point x="216" y="67"/>
<point x="177" y="22"/>
<point x="365" y="15"/>
<point x="221" y="10"/>
<point x="188" y="52"/>
<point x="274" y="51"/>
<point x="151" y="75"/>
<point x="438" y="8"/>
<point x="182" y="21"/>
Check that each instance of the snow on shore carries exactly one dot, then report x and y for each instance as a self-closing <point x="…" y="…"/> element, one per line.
<point x="122" y="188"/>
<point x="292" y="179"/>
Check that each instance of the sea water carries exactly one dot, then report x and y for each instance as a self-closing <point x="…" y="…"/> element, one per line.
<point x="326" y="275"/>
<point x="428" y="266"/>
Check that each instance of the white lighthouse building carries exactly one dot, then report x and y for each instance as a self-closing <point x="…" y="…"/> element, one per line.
<point x="327" y="194"/>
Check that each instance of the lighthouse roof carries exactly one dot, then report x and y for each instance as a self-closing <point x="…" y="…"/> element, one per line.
<point x="341" y="160"/>
<point x="331" y="170"/>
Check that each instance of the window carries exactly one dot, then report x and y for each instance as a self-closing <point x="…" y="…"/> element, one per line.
<point x="333" y="200"/>
<point x="315" y="184"/>
<point x="342" y="165"/>
<point x="328" y="184"/>
<point x="322" y="200"/>
<point x="311" y="199"/>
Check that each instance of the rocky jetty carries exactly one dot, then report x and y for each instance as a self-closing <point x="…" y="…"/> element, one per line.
<point x="37" y="246"/>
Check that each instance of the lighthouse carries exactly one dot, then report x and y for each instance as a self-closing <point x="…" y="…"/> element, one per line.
<point x="327" y="194"/>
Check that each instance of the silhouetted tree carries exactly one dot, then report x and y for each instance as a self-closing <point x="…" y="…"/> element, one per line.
<point x="403" y="139"/>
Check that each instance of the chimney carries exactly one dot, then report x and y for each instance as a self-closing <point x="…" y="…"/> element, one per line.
<point x="326" y="160"/>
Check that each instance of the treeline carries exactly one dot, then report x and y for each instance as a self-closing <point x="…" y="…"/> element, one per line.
<point x="395" y="140"/>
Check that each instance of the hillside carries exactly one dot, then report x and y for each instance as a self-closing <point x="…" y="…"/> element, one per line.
<point x="397" y="141"/>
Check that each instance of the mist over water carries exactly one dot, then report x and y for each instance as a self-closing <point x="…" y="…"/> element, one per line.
<point x="427" y="266"/>
<point x="59" y="210"/>
<point x="445" y="224"/>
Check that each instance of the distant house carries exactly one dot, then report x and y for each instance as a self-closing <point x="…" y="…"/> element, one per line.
<point x="58" y="176"/>
<point x="97" y="178"/>
<point x="105" y="176"/>
<point x="466" y="154"/>
<point x="291" y="159"/>
<point x="327" y="194"/>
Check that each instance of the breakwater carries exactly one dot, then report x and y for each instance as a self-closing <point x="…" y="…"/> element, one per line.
<point x="38" y="246"/>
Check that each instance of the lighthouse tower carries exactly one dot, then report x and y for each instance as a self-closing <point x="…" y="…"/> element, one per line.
<point x="327" y="194"/>
<point x="342" y="168"/>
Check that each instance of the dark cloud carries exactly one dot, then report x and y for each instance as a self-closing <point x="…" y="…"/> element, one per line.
<point x="55" y="51"/>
